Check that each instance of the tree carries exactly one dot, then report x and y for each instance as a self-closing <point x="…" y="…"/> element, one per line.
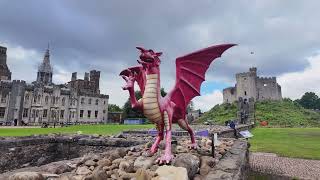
<point x="128" y="112"/>
<point x="309" y="100"/>
<point x="114" y="108"/>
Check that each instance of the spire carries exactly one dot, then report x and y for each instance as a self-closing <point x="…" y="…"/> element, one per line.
<point x="46" y="59"/>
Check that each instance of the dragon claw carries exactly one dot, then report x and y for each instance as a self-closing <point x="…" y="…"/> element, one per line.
<point x="165" y="159"/>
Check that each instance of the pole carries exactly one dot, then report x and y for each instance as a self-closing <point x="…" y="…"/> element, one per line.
<point x="213" y="148"/>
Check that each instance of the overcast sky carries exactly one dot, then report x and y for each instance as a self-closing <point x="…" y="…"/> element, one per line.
<point x="284" y="37"/>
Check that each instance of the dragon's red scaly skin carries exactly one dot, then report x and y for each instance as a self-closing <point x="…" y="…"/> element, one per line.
<point x="163" y="111"/>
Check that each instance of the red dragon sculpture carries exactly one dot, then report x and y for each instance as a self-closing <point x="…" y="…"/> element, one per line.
<point x="163" y="111"/>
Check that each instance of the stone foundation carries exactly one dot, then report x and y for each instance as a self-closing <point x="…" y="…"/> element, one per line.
<point x="38" y="150"/>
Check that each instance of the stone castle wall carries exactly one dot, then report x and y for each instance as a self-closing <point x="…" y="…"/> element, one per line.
<point x="249" y="85"/>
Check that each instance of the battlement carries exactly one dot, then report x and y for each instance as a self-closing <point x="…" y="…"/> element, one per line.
<point x="3" y="50"/>
<point x="267" y="79"/>
<point x="19" y="82"/>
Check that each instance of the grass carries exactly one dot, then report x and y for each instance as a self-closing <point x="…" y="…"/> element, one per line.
<point x="85" y="129"/>
<point x="287" y="142"/>
<point x="278" y="114"/>
<point x="220" y="113"/>
<point x="286" y="114"/>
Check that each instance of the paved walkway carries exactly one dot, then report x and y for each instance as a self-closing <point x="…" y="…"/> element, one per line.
<point x="292" y="167"/>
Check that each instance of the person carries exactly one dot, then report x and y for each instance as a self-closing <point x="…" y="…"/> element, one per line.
<point x="233" y="126"/>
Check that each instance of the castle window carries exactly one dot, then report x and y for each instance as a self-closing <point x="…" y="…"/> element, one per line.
<point x="96" y="114"/>
<point x="89" y="113"/>
<point x="62" y="114"/>
<point x="81" y="113"/>
<point x="45" y="113"/>
<point x="46" y="99"/>
<point x="97" y="101"/>
<point x="104" y="102"/>
<point x="26" y="98"/>
<point x="25" y="112"/>
<point x="104" y="111"/>
<point x="245" y="93"/>
<point x="34" y="99"/>
<point x="39" y="97"/>
<point x="63" y="101"/>
<point x="2" y="112"/>
<point x="82" y="100"/>
<point x="3" y="99"/>
<point x="89" y="102"/>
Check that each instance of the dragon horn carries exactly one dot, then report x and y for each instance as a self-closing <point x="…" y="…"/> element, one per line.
<point x="141" y="49"/>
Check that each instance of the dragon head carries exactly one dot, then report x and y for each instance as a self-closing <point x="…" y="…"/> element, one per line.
<point x="149" y="57"/>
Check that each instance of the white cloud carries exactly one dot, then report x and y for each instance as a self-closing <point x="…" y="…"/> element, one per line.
<point x="295" y="84"/>
<point x="207" y="101"/>
<point x="23" y="62"/>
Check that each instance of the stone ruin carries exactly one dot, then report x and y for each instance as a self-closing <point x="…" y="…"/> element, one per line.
<point x="80" y="157"/>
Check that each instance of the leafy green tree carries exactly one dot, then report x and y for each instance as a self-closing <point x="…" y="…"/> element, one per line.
<point x="114" y="108"/>
<point x="309" y="100"/>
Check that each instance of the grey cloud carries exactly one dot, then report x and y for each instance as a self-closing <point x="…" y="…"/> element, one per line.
<point x="102" y="34"/>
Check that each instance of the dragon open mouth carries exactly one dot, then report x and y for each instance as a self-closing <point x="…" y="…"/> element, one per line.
<point x="147" y="60"/>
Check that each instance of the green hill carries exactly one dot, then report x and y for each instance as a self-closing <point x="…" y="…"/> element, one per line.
<point x="284" y="113"/>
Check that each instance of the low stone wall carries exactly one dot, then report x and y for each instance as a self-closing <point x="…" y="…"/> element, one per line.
<point x="230" y="134"/>
<point x="234" y="164"/>
<point x="38" y="150"/>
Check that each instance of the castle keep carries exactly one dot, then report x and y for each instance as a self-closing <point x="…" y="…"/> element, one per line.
<point x="250" y="86"/>
<point x="42" y="101"/>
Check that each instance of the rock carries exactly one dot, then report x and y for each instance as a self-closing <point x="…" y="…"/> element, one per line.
<point x="50" y="176"/>
<point x="90" y="163"/>
<point x="77" y="177"/>
<point x="104" y="162"/>
<point x="154" y="167"/>
<point x="181" y="149"/>
<point x="27" y="176"/>
<point x="143" y="162"/>
<point x="218" y="175"/>
<point x="171" y="173"/>
<point x="189" y="161"/>
<point x="117" y="161"/>
<point x="120" y="135"/>
<point x="59" y="169"/>
<point x="126" y="166"/>
<point x="98" y="174"/>
<point x="91" y="168"/>
<point x="222" y="151"/>
<point x="41" y="161"/>
<point x="142" y="174"/>
<point x="95" y="157"/>
<point x="83" y="170"/>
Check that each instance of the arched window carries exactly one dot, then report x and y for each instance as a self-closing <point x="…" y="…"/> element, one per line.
<point x="82" y="100"/>
<point x="46" y="99"/>
<point x="89" y="102"/>
<point x="97" y="101"/>
<point x="63" y="101"/>
<point x="26" y="98"/>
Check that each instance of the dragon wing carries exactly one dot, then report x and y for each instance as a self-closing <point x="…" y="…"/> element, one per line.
<point x="190" y="73"/>
<point x="139" y="73"/>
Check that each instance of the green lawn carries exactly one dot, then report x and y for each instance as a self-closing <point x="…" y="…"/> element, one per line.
<point x="85" y="129"/>
<point x="288" y="142"/>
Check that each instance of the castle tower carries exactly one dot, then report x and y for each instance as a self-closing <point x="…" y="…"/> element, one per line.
<point x="5" y="73"/>
<point x="45" y="71"/>
<point x="94" y="80"/>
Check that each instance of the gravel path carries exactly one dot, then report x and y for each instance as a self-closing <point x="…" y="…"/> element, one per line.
<point x="292" y="167"/>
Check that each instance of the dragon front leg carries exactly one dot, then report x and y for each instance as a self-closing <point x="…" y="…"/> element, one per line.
<point x="167" y="156"/>
<point x="159" y="138"/>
